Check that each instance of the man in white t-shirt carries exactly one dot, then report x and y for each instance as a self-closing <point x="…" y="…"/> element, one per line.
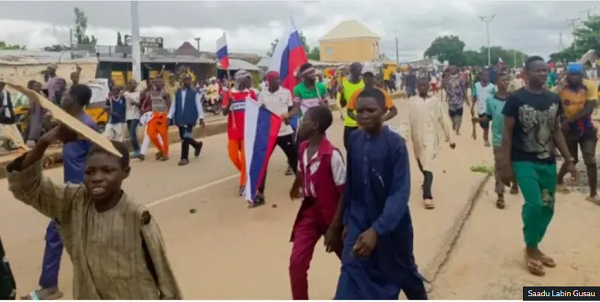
<point x="482" y="90"/>
<point x="132" y="114"/>
<point x="278" y="100"/>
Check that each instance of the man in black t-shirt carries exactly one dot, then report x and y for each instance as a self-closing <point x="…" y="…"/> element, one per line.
<point x="532" y="121"/>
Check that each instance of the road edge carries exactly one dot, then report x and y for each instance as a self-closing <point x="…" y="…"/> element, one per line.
<point x="432" y="269"/>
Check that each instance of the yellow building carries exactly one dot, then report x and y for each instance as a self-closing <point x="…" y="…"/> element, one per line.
<point x="349" y="41"/>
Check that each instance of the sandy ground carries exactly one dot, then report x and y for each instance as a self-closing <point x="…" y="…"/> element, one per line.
<point x="223" y="243"/>
<point x="488" y="263"/>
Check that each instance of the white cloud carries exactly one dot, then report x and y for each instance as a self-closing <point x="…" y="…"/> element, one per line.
<point x="532" y="27"/>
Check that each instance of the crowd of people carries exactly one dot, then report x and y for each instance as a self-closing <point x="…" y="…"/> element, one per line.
<point x="359" y="206"/>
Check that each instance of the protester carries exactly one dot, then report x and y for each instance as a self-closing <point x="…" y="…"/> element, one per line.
<point x="321" y="175"/>
<point x="158" y="102"/>
<point x="578" y="97"/>
<point x="116" y="247"/>
<point x="132" y="116"/>
<point x="185" y="112"/>
<point x="456" y="93"/>
<point x="309" y="93"/>
<point x="73" y="155"/>
<point x="411" y="83"/>
<point x="278" y="100"/>
<point x="368" y="77"/>
<point x="493" y="112"/>
<point x="8" y="121"/>
<point x="377" y="258"/>
<point x="171" y="86"/>
<point x="482" y="90"/>
<point x="234" y="106"/>
<point x="425" y="113"/>
<point x="116" y="108"/>
<point x="60" y="86"/>
<point x="51" y="79"/>
<point x="348" y="88"/>
<point x="532" y="130"/>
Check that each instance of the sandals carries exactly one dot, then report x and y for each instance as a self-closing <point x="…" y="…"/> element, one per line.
<point x="500" y="203"/>
<point x="43" y="294"/>
<point x="534" y="266"/>
<point x="428" y="203"/>
<point x="547" y="261"/>
<point x="593" y="199"/>
<point x="562" y="188"/>
<point x="514" y="190"/>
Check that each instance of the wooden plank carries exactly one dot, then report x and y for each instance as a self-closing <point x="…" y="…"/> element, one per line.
<point x="67" y="119"/>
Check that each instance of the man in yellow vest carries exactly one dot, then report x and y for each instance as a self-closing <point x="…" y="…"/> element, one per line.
<point x="349" y="86"/>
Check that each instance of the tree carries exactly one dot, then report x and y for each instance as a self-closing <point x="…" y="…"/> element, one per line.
<point x="302" y="38"/>
<point x="447" y="48"/>
<point x="6" y="46"/>
<point x="451" y="48"/>
<point x="314" y="54"/>
<point x="81" y="28"/>
<point x="586" y="36"/>
<point x="119" y="39"/>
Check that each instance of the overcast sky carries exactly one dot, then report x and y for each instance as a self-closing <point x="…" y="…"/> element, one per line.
<point x="529" y="26"/>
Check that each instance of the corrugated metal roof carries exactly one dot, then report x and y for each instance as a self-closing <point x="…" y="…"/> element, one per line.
<point x="20" y="57"/>
<point x="264" y="62"/>
<point x="235" y="64"/>
<point x="158" y="59"/>
<point x="350" y="29"/>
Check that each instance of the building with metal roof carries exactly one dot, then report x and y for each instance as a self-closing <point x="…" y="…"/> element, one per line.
<point x="349" y="41"/>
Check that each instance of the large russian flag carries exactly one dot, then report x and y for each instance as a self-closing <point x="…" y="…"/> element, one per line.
<point x="261" y="128"/>
<point x="288" y="56"/>
<point x="222" y="54"/>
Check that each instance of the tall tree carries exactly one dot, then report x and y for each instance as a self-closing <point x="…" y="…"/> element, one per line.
<point x="447" y="48"/>
<point x="119" y="39"/>
<point x="81" y="29"/>
<point x="6" y="46"/>
<point x="302" y="38"/>
<point x="586" y="36"/>
<point x="314" y="54"/>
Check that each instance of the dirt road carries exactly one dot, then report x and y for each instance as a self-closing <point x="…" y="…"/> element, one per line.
<point x="224" y="245"/>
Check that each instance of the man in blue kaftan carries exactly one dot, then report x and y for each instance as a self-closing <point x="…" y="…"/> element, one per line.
<point x="377" y="259"/>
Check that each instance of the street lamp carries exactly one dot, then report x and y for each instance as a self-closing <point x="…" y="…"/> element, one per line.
<point x="487" y="20"/>
<point x="197" y="42"/>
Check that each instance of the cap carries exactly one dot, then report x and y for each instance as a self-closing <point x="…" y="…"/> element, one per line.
<point x="52" y="65"/>
<point x="575" y="68"/>
<point x="272" y="75"/>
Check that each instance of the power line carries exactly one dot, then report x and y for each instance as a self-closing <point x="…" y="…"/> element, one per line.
<point x="487" y="20"/>
<point x="572" y="22"/>
<point x="587" y="12"/>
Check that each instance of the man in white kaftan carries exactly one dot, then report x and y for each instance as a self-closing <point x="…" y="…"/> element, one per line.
<point x="425" y="113"/>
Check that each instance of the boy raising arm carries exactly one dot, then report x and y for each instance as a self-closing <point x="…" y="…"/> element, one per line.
<point x="116" y="247"/>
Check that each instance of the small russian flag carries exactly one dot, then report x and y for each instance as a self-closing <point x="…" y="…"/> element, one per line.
<point x="222" y="54"/>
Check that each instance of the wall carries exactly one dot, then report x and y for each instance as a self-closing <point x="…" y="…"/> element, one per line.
<point x="21" y="74"/>
<point x="350" y="50"/>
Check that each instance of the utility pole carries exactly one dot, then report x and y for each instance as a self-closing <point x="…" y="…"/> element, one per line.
<point x="587" y="12"/>
<point x="572" y="22"/>
<point x="397" y="53"/>
<point x="561" y="45"/>
<point x="136" y="58"/>
<point x="515" y="54"/>
<point x="487" y="20"/>
<point x="197" y="43"/>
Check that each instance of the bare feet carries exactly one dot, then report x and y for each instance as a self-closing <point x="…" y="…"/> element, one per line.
<point x="428" y="203"/>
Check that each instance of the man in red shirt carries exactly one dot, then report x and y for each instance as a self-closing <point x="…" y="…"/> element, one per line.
<point x="234" y="106"/>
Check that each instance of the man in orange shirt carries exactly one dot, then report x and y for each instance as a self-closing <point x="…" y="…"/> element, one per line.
<point x="369" y="80"/>
<point x="578" y="97"/>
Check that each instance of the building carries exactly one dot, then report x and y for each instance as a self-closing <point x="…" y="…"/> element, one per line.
<point x="349" y="41"/>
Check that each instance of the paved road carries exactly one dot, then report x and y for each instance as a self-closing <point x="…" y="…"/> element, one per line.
<point x="224" y="245"/>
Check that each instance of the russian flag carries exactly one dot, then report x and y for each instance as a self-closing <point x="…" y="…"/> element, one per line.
<point x="288" y="56"/>
<point x="222" y="54"/>
<point x="261" y="128"/>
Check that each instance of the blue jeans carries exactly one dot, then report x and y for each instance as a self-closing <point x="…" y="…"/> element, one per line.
<point x="52" y="257"/>
<point x="132" y="126"/>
